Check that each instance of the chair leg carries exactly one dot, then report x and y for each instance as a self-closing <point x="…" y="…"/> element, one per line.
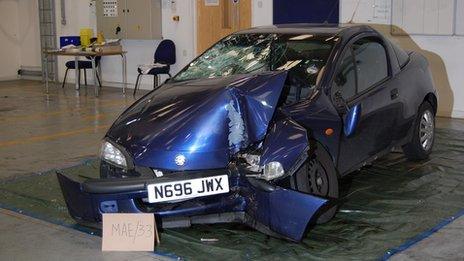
<point x="155" y="81"/>
<point x="137" y="83"/>
<point x="79" y="76"/>
<point x="99" y="82"/>
<point x="85" y="77"/>
<point x="65" y="75"/>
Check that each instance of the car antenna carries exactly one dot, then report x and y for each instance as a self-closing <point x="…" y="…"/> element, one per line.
<point x="354" y="13"/>
<point x="331" y="12"/>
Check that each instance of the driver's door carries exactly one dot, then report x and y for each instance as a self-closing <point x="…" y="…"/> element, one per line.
<point x="361" y="90"/>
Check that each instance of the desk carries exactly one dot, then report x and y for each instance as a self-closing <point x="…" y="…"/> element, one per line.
<point x="92" y="56"/>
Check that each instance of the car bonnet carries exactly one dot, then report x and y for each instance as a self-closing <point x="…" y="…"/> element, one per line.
<point x="202" y="121"/>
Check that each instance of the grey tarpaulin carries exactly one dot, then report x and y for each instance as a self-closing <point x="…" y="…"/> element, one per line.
<point x="384" y="205"/>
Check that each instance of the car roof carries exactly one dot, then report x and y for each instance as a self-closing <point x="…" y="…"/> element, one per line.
<point x="342" y="30"/>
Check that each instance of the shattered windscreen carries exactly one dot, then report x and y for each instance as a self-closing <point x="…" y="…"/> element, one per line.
<point x="303" y="55"/>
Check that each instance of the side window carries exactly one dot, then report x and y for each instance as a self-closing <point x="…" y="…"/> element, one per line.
<point x="345" y="79"/>
<point x="371" y="63"/>
<point x="402" y="56"/>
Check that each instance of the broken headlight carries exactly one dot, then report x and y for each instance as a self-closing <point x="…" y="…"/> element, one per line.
<point x="113" y="155"/>
<point x="269" y="171"/>
<point x="273" y="170"/>
<point x="251" y="162"/>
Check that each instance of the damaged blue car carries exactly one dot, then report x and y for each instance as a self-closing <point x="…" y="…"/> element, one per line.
<point x="260" y="128"/>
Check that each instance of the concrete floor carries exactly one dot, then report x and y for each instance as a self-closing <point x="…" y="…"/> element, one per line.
<point x="25" y="238"/>
<point x="40" y="132"/>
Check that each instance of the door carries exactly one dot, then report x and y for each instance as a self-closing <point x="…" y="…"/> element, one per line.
<point x="219" y="18"/>
<point x="362" y="84"/>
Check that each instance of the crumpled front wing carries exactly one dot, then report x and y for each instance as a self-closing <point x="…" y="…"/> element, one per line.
<point x="272" y="210"/>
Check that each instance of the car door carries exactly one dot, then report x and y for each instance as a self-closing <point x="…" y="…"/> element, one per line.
<point x="363" y="93"/>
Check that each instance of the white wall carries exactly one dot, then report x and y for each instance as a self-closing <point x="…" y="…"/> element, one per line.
<point x="262" y="12"/>
<point x="9" y="40"/>
<point x="29" y="34"/>
<point x="444" y="53"/>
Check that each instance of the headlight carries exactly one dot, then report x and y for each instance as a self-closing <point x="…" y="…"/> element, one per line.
<point x="113" y="155"/>
<point x="273" y="170"/>
<point x="252" y="161"/>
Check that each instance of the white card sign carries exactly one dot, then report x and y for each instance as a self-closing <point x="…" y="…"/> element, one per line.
<point x="129" y="232"/>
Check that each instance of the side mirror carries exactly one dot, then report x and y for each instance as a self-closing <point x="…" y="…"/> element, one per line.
<point x="340" y="103"/>
<point x="350" y="121"/>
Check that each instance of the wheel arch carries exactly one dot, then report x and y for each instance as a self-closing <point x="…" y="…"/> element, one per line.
<point x="432" y="99"/>
<point x="318" y="147"/>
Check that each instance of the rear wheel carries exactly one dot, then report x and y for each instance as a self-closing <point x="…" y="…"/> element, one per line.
<point x="420" y="147"/>
<point x="318" y="177"/>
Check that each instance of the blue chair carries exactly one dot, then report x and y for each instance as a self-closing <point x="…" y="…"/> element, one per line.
<point x="83" y="65"/>
<point x="165" y="56"/>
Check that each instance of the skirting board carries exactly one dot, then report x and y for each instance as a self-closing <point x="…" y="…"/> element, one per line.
<point x="9" y="78"/>
<point x="143" y="86"/>
<point x="457" y="114"/>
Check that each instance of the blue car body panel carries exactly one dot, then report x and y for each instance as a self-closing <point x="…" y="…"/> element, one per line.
<point x="271" y="209"/>
<point x="351" y="120"/>
<point x="287" y="142"/>
<point x="193" y="119"/>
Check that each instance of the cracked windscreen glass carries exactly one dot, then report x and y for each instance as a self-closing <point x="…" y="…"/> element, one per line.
<point x="303" y="55"/>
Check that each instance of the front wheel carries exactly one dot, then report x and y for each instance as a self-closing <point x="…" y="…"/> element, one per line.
<point x="420" y="147"/>
<point x="318" y="177"/>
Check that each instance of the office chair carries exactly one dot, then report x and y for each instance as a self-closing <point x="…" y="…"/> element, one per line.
<point x="165" y="56"/>
<point x="82" y="65"/>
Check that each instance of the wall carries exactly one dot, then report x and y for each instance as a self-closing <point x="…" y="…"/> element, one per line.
<point x="9" y="39"/>
<point x="444" y="53"/>
<point x="29" y="34"/>
<point x="262" y="12"/>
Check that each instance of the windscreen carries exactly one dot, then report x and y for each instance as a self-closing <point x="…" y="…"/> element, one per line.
<point x="303" y="55"/>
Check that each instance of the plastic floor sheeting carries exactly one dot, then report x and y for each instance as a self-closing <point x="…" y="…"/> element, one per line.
<point x="384" y="205"/>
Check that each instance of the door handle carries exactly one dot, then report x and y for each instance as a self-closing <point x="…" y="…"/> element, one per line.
<point x="394" y="94"/>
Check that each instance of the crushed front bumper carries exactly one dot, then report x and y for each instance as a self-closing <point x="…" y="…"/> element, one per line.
<point x="270" y="209"/>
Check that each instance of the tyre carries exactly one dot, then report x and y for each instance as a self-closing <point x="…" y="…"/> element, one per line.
<point x="423" y="136"/>
<point x="317" y="176"/>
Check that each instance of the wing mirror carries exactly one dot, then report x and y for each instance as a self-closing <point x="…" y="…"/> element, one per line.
<point x="340" y="103"/>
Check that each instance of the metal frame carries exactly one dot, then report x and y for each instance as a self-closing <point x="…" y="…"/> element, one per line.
<point x="48" y="40"/>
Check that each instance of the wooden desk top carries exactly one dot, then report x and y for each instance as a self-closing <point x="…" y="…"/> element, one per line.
<point x="82" y="53"/>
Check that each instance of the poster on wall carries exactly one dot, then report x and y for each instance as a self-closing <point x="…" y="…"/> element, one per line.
<point x="110" y="8"/>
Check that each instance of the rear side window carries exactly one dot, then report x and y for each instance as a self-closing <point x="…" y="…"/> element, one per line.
<point x="402" y="56"/>
<point x="371" y="63"/>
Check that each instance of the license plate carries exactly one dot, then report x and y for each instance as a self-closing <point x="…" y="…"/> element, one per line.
<point x="186" y="189"/>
